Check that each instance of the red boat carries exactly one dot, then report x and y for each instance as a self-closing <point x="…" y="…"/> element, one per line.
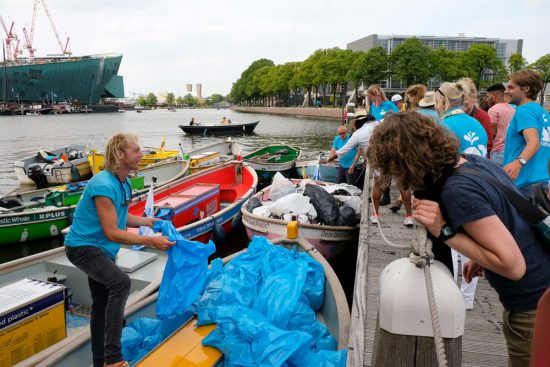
<point x="206" y="204"/>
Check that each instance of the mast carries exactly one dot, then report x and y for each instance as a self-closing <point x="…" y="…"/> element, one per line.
<point x="5" y="83"/>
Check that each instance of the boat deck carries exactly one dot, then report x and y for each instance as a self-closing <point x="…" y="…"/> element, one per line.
<point x="483" y="343"/>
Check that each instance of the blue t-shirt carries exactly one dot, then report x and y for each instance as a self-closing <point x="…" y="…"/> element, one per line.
<point x="467" y="198"/>
<point x="86" y="229"/>
<point x="472" y="135"/>
<point x="347" y="160"/>
<point x="529" y="115"/>
<point x="431" y="113"/>
<point x="380" y="111"/>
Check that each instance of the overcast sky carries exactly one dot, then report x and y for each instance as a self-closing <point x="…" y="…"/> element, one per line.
<point x="169" y="43"/>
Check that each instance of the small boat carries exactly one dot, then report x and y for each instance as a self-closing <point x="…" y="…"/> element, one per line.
<point x="67" y="319"/>
<point x="184" y="348"/>
<point x="213" y="154"/>
<point x="309" y="167"/>
<point x="328" y="240"/>
<point x="205" y="204"/>
<point x="272" y="159"/>
<point x="219" y="129"/>
<point x="56" y="167"/>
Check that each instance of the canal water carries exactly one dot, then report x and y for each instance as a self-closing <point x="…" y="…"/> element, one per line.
<point x="21" y="136"/>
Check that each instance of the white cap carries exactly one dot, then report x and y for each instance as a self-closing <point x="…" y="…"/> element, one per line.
<point x="396" y="97"/>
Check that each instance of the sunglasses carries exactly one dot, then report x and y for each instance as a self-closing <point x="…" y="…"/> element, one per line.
<point x="127" y="196"/>
<point x="439" y="90"/>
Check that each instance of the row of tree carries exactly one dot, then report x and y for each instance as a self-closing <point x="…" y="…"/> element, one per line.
<point x="151" y="100"/>
<point x="333" y="69"/>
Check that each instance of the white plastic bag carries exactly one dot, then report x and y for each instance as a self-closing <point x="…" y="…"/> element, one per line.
<point x="262" y="211"/>
<point x="280" y="187"/>
<point x="352" y="201"/>
<point x="292" y="203"/>
<point x="352" y="190"/>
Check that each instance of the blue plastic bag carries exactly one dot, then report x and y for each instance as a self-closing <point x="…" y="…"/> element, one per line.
<point x="185" y="273"/>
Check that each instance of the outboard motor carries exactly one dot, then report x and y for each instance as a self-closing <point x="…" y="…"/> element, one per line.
<point x="36" y="173"/>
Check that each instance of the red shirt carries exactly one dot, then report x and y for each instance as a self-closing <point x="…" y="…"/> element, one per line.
<point x="485" y="120"/>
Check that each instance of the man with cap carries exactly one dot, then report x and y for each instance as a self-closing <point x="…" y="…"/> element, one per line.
<point x="427" y="105"/>
<point x="501" y="114"/>
<point x="346" y="173"/>
<point x="398" y="102"/>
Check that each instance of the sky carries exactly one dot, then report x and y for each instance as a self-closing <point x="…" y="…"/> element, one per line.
<point x="167" y="44"/>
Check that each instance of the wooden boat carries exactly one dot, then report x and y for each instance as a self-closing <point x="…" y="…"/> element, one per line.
<point x="55" y="167"/>
<point x="211" y="155"/>
<point x="328" y="240"/>
<point x="184" y="348"/>
<point x="309" y="167"/>
<point x="272" y="159"/>
<point x="204" y="204"/>
<point x="145" y="269"/>
<point x="220" y="129"/>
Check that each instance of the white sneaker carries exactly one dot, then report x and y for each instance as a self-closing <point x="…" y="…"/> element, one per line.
<point x="469" y="306"/>
<point x="408" y="222"/>
<point x="374" y="219"/>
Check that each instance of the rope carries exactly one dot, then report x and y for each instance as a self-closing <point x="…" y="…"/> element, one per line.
<point x="421" y="255"/>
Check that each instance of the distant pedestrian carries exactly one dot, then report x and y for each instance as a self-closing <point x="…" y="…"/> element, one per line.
<point x="501" y="114"/>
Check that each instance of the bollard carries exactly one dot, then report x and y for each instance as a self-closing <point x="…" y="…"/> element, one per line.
<point x="404" y="334"/>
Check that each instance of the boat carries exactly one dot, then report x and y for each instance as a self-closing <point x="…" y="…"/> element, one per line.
<point x="67" y="320"/>
<point x="309" y="167"/>
<point x="328" y="240"/>
<point x="203" y="205"/>
<point x="163" y="172"/>
<point x="211" y="155"/>
<point x="272" y="159"/>
<point x="183" y="347"/>
<point x="55" y="167"/>
<point x="219" y="128"/>
<point x="63" y="78"/>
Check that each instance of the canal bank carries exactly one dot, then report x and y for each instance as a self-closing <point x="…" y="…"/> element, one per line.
<point x="326" y="113"/>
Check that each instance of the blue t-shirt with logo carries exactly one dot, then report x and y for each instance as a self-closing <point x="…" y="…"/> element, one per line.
<point x="472" y="135"/>
<point x="529" y="115"/>
<point x="467" y="198"/>
<point x="347" y="160"/>
<point x="380" y="111"/>
<point x="86" y="229"/>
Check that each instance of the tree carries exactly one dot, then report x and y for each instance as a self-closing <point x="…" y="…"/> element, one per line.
<point x="189" y="100"/>
<point x="377" y="65"/>
<point x="241" y="89"/>
<point x="542" y="65"/>
<point x="140" y="101"/>
<point x="170" y="99"/>
<point x="216" y="98"/>
<point x="410" y="62"/>
<point x="516" y="62"/>
<point x="151" y="100"/>
<point x="180" y="101"/>
<point x="448" y="65"/>
<point x="483" y="65"/>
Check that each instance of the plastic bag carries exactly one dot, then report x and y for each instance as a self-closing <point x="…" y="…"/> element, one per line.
<point x="184" y="276"/>
<point x="352" y="190"/>
<point x="352" y="201"/>
<point x="253" y="203"/>
<point x="292" y="203"/>
<point x="262" y="211"/>
<point x="324" y="203"/>
<point x="280" y="186"/>
<point x="347" y="216"/>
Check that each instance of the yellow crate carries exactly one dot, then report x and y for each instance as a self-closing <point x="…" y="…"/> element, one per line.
<point x="204" y="159"/>
<point x="33" y="334"/>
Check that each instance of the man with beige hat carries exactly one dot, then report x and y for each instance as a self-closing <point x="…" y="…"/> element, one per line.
<point x="427" y="105"/>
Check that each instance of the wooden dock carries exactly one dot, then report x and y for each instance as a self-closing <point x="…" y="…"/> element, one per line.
<point x="483" y="342"/>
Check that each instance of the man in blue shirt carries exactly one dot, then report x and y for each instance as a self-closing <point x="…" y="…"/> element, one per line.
<point x="527" y="148"/>
<point x="346" y="171"/>
<point x="98" y="229"/>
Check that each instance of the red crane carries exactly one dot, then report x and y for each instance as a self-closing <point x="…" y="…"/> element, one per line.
<point x="9" y="37"/>
<point x="64" y="49"/>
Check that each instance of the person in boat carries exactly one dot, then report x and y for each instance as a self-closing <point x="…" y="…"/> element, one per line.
<point x="469" y="214"/>
<point x="346" y="171"/>
<point x="94" y="239"/>
<point x="192" y="122"/>
<point x="224" y="121"/>
<point x="228" y="120"/>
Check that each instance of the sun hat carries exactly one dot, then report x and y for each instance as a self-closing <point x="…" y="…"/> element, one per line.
<point x="360" y="115"/>
<point x="396" y="98"/>
<point x="428" y="100"/>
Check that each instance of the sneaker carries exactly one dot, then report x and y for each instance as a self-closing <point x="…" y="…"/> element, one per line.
<point x="408" y="222"/>
<point x="396" y="206"/>
<point x="469" y="306"/>
<point x="374" y="219"/>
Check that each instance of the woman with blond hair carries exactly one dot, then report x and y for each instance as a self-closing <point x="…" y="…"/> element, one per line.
<point x="469" y="214"/>
<point x="94" y="239"/>
<point x="379" y="102"/>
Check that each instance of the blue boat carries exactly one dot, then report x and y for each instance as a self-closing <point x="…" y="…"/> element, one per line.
<point x="309" y="167"/>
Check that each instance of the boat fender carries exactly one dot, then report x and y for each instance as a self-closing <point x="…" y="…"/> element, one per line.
<point x="219" y="233"/>
<point x="237" y="221"/>
<point x="75" y="173"/>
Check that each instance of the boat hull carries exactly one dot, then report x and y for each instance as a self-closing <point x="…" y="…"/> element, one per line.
<point x="33" y="225"/>
<point x="267" y="161"/>
<point x="219" y="129"/>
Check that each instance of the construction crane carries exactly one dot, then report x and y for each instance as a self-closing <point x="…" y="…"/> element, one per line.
<point x="29" y="37"/>
<point x="64" y="49"/>
<point x="9" y="37"/>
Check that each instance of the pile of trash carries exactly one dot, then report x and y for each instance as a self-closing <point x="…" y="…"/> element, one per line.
<point x="309" y="203"/>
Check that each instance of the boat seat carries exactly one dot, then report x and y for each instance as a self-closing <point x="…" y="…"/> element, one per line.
<point x="44" y="275"/>
<point x="131" y="260"/>
<point x="228" y="195"/>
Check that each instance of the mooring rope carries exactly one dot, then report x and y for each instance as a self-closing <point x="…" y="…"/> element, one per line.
<point x="421" y="255"/>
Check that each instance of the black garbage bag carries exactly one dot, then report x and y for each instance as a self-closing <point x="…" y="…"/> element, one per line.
<point x="253" y="203"/>
<point x="347" y="216"/>
<point x="341" y="192"/>
<point x="324" y="203"/>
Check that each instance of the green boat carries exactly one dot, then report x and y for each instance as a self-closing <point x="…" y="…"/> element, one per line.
<point x="272" y="159"/>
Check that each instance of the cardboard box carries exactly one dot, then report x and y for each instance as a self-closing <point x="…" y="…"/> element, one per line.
<point x="32" y="318"/>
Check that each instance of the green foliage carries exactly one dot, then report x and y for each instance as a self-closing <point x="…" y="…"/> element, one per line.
<point x="480" y="60"/>
<point x="189" y="100"/>
<point x="151" y="100"/>
<point x="170" y="99"/>
<point x="411" y="61"/>
<point x="140" y="101"/>
<point x="516" y="62"/>
<point x="542" y="65"/>
<point x="216" y="98"/>
<point x="179" y="100"/>
<point x="242" y="89"/>
<point x="448" y="65"/>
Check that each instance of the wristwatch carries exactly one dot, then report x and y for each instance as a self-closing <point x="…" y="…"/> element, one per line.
<point x="522" y="160"/>
<point x="447" y="232"/>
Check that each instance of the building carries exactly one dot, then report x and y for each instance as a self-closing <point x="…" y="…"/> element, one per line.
<point x="504" y="47"/>
<point x="198" y="88"/>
